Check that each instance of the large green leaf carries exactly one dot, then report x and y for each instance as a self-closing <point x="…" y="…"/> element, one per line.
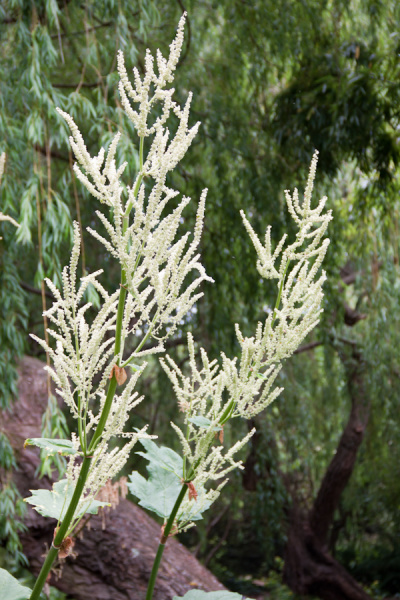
<point x="161" y="458"/>
<point x="220" y="595"/>
<point x="162" y="488"/>
<point x="11" y="589"/>
<point x="160" y="492"/>
<point x="63" y="447"/>
<point x="54" y="503"/>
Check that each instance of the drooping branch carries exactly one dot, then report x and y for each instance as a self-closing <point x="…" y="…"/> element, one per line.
<point x="53" y="153"/>
<point x="29" y="288"/>
<point x="307" y="347"/>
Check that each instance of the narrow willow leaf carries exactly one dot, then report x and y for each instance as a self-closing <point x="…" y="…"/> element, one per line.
<point x="220" y="595"/>
<point x="54" y="503"/>
<point x="63" y="447"/>
<point x="11" y="589"/>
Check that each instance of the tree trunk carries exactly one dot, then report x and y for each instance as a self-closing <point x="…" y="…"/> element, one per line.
<point x="309" y="567"/>
<point x="113" y="559"/>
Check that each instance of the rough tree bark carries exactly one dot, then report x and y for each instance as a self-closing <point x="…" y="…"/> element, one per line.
<point x="309" y="566"/>
<point x="112" y="563"/>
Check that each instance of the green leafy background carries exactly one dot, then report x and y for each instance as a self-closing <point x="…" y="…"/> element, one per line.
<point x="271" y="82"/>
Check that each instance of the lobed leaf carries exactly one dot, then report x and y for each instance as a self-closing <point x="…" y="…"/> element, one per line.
<point x="161" y="458"/>
<point x="54" y="503"/>
<point x="11" y="589"/>
<point x="159" y="492"/>
<point x="57" y="446"/>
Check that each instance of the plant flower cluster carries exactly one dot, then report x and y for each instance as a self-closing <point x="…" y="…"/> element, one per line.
<point x="160" y="277"/>
<point x="155" y="263"/>
<point x="242" y="387"/>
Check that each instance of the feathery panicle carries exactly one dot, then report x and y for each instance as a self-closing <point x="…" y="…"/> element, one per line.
<point x="157" y="265"/>
<point x="156" y="262"/>
<point x="215" y="392"/>
<point x="160" y="277"/>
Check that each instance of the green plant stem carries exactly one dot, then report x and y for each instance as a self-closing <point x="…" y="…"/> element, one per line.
<point x="66" y="522"/>
<point x="113" y="383"/>
<point x="104" y="415"/>
<point x="140" y="178"/>
<point x="163" y="541"/>
<point x="41" y="580"/>
<point x="52" y="554"/>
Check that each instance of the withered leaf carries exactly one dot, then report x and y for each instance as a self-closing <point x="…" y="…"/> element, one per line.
<point x="120" y="374"/>
<point x="66" y="547"/>
<point x="192" y="491"/>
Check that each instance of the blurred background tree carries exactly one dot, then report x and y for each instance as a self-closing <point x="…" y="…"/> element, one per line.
<point x="271" y="82"/>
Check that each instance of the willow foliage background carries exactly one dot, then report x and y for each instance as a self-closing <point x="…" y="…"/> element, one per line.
<point x="271" y="82"/>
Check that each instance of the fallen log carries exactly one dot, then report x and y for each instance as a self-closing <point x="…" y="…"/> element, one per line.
<point x="113" y="559"/>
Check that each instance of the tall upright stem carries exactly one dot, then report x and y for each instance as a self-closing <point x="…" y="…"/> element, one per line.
<point x="66" y="522"/>
<point x="113" y="383"/>
<point x="62" y="530"/>
<point x="163" y="541"/>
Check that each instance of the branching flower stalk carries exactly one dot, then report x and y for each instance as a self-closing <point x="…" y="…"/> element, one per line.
<point x="155" y="265"/>
<point x="90" y="358"/>
<point x="247" y="383"/>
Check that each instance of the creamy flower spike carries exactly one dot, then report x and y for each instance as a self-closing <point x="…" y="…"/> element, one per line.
<point x="156" y="263"/>
<point x="216" y="392"/>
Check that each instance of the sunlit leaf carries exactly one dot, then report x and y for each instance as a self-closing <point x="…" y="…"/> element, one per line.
<point x="159" y="492"/>
<point x="54" y="503"/>
<point x="11" y="589"/>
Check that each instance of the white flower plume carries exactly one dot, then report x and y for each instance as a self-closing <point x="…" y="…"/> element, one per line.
<point x="218" y="391"/>
<point x="82" y="350"/>
<point x="160" y="277"/>
<point x="82" y="361"/>
<point x="160" y="269"/>
<point x="155" y="260"/>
